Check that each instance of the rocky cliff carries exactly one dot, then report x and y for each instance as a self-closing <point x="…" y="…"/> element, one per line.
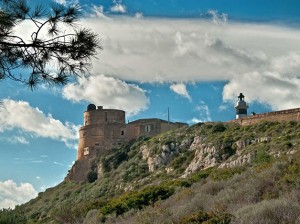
<point x="156" y="168"/>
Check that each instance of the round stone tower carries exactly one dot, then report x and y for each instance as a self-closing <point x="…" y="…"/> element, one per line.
<point x="241" y="107"/>
<point x="103" y="129"/>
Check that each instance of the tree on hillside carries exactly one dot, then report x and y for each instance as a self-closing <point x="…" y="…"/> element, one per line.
<point x="56" y="50"/>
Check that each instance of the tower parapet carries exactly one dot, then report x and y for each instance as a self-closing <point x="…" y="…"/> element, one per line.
<point x="241" y="107"/>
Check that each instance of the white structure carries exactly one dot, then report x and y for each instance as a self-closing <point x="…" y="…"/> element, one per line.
<point x="241" y="107"/>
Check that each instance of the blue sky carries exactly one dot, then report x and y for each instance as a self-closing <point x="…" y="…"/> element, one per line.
<point x="193" y="56"/>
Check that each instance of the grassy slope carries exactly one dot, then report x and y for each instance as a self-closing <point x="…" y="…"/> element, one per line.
<point x="267" y="191"/>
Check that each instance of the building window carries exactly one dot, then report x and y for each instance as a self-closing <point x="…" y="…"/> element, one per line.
<point x="105" y="116"/>
<point x="148" y="128"/>
<point x="122" y="132"/>
<point x="97" y="143"/>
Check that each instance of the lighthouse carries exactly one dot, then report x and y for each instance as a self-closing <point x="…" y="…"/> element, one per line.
<point x="241" y="107"/>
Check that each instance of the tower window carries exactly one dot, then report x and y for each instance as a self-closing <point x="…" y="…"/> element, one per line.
<point x="86" y="151"/>
<point x="122" y="132"/>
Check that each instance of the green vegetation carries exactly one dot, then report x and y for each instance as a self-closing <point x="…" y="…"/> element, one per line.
<point x="208" y="217"/>
<point x="265" y="189"/>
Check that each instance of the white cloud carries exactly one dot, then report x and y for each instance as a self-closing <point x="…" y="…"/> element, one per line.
<point x="18" y="140"/>
<point x="269" y="88"/>
<point x="99" y="12"/>
<point x="155" y="50"/>
<point x="216" y="17"/>
<point x="191" y="50"/>
<point x="12" y="194"/>
<point x="109" y="92"/>
<point x="62" y="2"/>
<point x="183" y="50"/>
<point x="65" y="2"/>
<point x="203" y="113"/>
<point x="119" y="8"/>
<point x="20" y="115"/>
<point x="180" y="89"/>
<point x="138" y="15"/>
<point x="195" y="121"/>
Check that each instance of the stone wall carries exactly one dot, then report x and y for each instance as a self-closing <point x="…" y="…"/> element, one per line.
<point x="283" y="115"/>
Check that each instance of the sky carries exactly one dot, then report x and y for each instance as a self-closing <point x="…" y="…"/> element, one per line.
<point x="192" y="56"/>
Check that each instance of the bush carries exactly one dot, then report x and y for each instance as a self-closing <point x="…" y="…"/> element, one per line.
<point x="262" y="157"/>
<point x="8" y="216"/>
<point x="137" y="200"/>
<point x="92" y="176"/>
<point x="215" y="217"/>
<point x="225" y="173"/>
<point x="219" y="127"/>
<point x="273" y="211"/>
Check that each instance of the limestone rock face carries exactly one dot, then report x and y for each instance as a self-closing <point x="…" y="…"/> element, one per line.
<point x="239" y="161"/>
<point x="206" y="155"/>
<point x="155" y="161"/>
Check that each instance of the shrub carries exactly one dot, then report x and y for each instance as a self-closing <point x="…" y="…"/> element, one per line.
<point x="272" y="211"/>
<point x="219" y="127"/>
<point x="225" y="173"/>
<point x="214" y="217"/>
<point x="203" y="174"/>
<point x="92" y="176"/>
<point x="8" y="216"/>
<point x="262" y="157"/>
<point x="137" y="200"/>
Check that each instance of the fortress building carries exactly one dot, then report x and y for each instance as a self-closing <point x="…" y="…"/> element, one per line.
<point x="105" y="129"/>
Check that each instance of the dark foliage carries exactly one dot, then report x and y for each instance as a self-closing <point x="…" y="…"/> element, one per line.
<point x="53" y="54"/>
<point x="92" y="176"/>
<point x="8" y="216"/>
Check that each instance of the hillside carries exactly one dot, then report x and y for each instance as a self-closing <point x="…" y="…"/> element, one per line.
<point x="207" y="173"/>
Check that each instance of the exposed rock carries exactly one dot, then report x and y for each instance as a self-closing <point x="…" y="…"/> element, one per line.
<point x="145" y="150"/>
<point x="185" y="144"/>
<point x="169" y="169"/>
<point x="291" y="152"/>
<point x="239" y="161"/>
<point x="205" y="156"/>
<point x="156" y="161"/>
<point x="99" y="170"/>
<point x="196" y="143"/>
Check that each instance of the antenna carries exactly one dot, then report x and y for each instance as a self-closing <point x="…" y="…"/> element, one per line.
<point x="168" y="115"/>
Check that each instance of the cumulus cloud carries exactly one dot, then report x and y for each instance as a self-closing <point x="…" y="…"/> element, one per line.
<point x="65" y="2"/>
<point x="12" y="194"/>
<point x="62" y="2"/>
<point x="191" y="50"/>
<point x="138" y="15"/>
<point x="98" y="11"/>
<point x="203" y="113"/>
<point x="216" y="17"/>
<point x="20" y="115"/>
<point x="18" y="140"/>
<point x="269" y="88"/>
<point x="107" y="91"/>
<point x="180" y="89"/>
<point x="183" y="50"/>
<point x="119" y="8"/>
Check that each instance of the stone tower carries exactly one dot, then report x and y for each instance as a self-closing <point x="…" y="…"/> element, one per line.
<point x="241" y="107"/>
<point x="103" y="130"/>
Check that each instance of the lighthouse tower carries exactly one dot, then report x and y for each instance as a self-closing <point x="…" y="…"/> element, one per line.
<point x="241" y="107"/>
